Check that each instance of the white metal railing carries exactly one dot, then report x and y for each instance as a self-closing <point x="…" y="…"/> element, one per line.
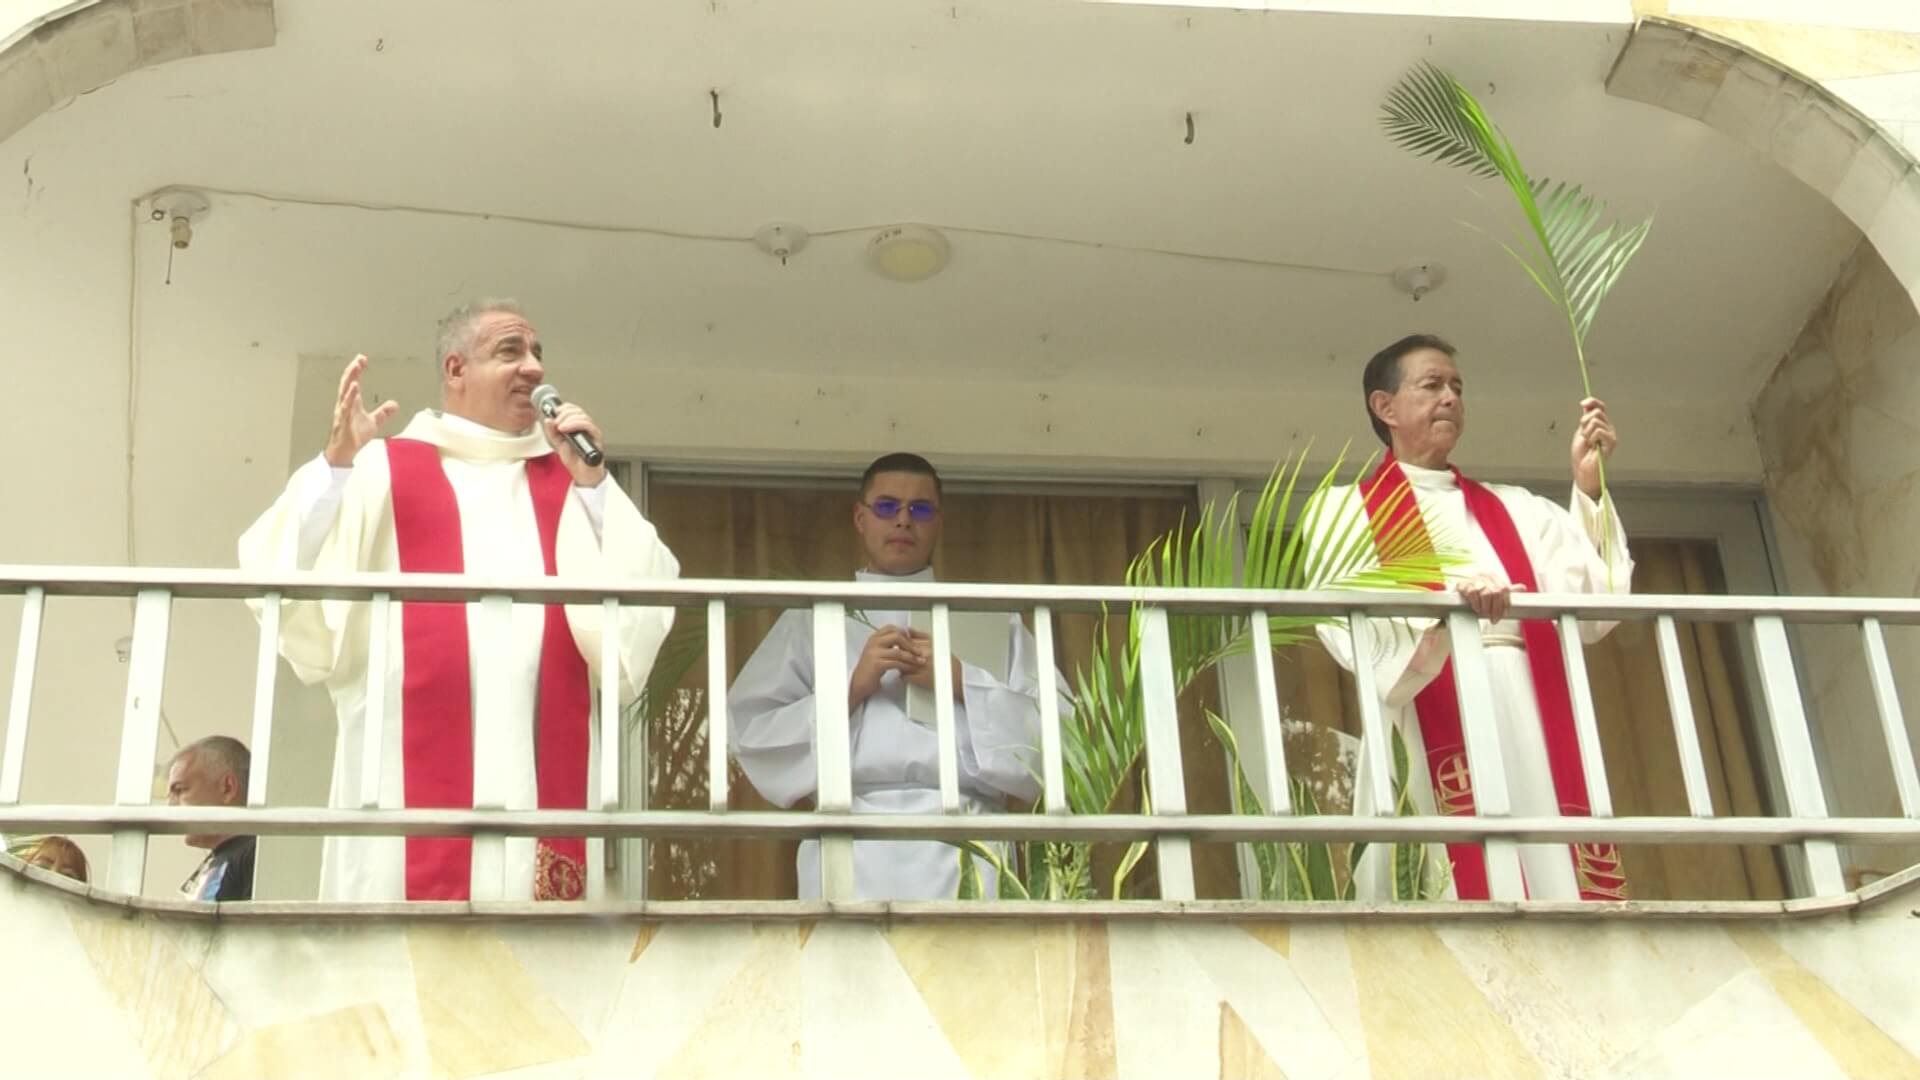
<point x="1170" y="828"/>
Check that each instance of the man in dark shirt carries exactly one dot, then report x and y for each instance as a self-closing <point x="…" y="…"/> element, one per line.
<point x="213" y="772"/>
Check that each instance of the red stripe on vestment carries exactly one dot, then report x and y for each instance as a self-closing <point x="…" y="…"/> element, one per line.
<point x="436" y="693"/>
<point x="562" y="742"/>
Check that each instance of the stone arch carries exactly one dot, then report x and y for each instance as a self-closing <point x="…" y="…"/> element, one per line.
<point x="80" y="47"/>
<point x="1793" y="121"/>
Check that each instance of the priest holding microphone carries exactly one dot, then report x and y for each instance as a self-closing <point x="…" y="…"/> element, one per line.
<point x="502" y="481"/>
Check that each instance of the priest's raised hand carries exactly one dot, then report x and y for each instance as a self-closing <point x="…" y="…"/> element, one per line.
<point x="354" y="425"/>
<point x="1593" y="440"/>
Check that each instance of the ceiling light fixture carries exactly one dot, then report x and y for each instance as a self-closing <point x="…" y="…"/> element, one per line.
<point x="780" y="240"/>
<point x="180" y="208"/>
<point x="1419" y="279"/>
<point x="907" y="252"/>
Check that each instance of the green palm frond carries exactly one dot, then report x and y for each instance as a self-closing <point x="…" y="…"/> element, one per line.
<point x="1574" y="253"/>
<point x="1335" y="544"/>
<point x="1420" y="115"/>
<point x="1325" y="871"/>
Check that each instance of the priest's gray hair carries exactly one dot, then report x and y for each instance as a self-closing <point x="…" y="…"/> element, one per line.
<point x="223" y="754"/>
<point x="456" y="330"/>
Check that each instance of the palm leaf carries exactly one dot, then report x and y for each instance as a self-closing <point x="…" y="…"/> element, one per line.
<point x="1335" y="545"/>
<point x="1580" y="254"/>
<point x="1577" y="254"/>
<point x="1008" y="885"/>
<point x="969" y="876"/>
<point x="1430" y="114"/>
<point x="1419" y="116"/>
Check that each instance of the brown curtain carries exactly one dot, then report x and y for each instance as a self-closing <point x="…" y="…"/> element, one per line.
<point x="727" y="531"/>
<point x="1637" y="739"/>
<point x="1636" y="731"/>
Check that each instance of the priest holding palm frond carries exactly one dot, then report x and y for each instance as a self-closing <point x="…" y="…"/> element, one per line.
<point x="1514" y="541"/>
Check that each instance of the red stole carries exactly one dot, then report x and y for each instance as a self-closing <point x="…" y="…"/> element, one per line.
<point x="436" y="696"/>
<point x="1596" y="866"/>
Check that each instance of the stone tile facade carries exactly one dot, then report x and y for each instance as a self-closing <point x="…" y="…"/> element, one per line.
<point x="141" y="994"/>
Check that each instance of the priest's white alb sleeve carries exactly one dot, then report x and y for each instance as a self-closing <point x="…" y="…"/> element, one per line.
<point x="320" y="522"/>
<point x="315" y="490"/>
<point x="999" y="725"/>
<point x="1407" y="653"/>
<point x="1581" y="548"/>
<point x="594" y="501"/>
<point x="623" y="546"/>
<point x="770" y="709"/>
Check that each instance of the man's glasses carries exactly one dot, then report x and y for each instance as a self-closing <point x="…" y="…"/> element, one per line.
<point x="888" y="508"/>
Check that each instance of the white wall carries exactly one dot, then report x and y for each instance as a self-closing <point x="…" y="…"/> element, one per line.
<point x="65" y="288"/>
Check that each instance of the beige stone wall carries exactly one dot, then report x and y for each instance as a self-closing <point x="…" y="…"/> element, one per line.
<point x="1834" y="422"/>
<point x="1837" y="425"/>
<point x="95" y="990"/>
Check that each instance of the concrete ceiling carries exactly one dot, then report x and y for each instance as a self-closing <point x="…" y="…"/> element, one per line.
<point x="1004" y="122"/>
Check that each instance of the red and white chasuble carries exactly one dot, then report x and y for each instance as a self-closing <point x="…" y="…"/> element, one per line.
<point x="476" y="715"/>
<point x="1515" y="536"/>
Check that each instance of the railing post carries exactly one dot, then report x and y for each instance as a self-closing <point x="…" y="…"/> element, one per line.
<point x="1275" y="792"/>
<point x="717" y="719"/>
<point x="1053" y="773"/>
<point x="373" y="722"/>
<point x="1686" y="735"/>
<point x="14" y="762"/>
<point x="599" y="851"/>
<point x="1593" y="764"/>
<point x="1273" y="784"/>
<point x="1166" y="780"/>
<point x="1799" y="771"/>
<point x="1485" y="764"/>
<point x="266" y="672"/>
<point x="1893" y="724"/>
<point x="946" y="749"/>
<point x="638" y="769"/>
<point x="140" y="734"/>
<point x="493" y="635"/>
<point x="832" y="745"/>
<point x="1375" y="740"/>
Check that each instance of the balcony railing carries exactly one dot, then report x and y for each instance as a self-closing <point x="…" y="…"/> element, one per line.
<point x="1169" y="827"/>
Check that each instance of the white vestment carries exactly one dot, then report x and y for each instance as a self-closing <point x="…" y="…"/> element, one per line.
<point x="341" y="521"/>
<point x="1565" y="547"/>
<point x="895" y="759"/>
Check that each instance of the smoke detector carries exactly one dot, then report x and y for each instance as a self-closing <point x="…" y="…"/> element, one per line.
<point x="780" y="240"/>
<point x="1419" y="279"/>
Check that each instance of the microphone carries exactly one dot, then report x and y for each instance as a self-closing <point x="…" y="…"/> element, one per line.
<point x="547" y="400"/>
